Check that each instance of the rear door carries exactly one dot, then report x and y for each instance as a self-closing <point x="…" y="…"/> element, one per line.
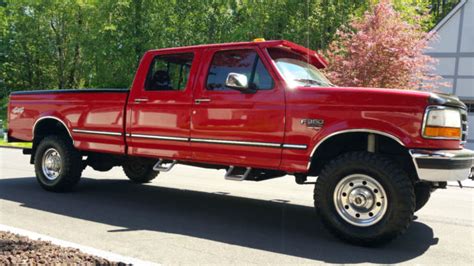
<point x="160" y="105"/>
<point x="235" y="128"/>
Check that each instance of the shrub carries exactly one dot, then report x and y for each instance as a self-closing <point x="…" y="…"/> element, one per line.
<point x="380" y="49"/>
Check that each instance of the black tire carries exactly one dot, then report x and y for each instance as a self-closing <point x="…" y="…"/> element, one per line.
<point x="139" y="171"/>
<point x="399" y="190"/>
<point x="70" y="164"/>
<point x="422" y="195"/>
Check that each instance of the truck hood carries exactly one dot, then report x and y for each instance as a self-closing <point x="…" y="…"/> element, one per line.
<point x="366" y="96"/>
<point x="399" y="113"/>
<point x="404" y="96"/>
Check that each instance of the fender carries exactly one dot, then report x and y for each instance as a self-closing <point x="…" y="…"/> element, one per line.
<point x="357" y="130"/>
<point x="50" y="117"/>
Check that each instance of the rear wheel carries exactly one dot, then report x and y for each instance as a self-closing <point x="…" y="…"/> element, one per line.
<point x="364" y="198"/>
<point x="139" y="171"/>
<point x="58" y="165"/>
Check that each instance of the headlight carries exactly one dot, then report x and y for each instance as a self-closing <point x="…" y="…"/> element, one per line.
<point x="442" y="123"/>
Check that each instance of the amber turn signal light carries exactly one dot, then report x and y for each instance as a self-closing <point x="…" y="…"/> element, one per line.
<point x="443" y="132"/>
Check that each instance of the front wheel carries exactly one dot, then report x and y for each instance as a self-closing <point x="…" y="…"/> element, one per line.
<point x="365" y="198"/>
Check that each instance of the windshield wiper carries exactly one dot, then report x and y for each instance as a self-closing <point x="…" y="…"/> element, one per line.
<point x="313" y="81"/>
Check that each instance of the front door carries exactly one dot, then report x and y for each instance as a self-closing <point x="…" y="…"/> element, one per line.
<point x="233" y="127"/>
<point x="159" y="109"/>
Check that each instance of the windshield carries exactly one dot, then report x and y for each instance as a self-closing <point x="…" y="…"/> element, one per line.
<point x="296" y="71"/>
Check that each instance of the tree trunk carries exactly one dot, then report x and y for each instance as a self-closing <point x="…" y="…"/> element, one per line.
<point x="137" y="33"/>
<point x="59" y="53"/>
<point x="73" y="80"/>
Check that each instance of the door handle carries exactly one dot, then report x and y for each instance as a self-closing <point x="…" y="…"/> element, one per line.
<point x="141" y="100"/>
<point x="198" y="101"/>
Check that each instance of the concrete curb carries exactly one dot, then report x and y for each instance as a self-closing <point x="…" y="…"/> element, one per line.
<point x="89" y="250"/>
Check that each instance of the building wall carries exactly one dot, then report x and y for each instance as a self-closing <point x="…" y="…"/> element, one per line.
<point x="454" y="48"/>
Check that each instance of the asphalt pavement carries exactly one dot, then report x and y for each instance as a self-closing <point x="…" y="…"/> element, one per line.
<point x="192" y="215"/>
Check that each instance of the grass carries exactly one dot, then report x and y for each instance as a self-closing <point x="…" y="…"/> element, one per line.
<point x="15" y="144"/>
<point x="3" y="111"/>
<point x="3" y="119"/>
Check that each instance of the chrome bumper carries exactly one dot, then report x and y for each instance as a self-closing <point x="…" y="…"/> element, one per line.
<point x="443" y="165"/>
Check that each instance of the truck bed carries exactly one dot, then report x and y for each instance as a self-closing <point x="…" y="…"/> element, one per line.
<point x="82" y="111"/>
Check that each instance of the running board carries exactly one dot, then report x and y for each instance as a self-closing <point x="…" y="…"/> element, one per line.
<point x="162" y="166"/>
<point x="236" y="177"/>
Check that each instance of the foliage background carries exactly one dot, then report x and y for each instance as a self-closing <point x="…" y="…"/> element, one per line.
<point x="57" y="44"/>
<point x="383" y="50"/>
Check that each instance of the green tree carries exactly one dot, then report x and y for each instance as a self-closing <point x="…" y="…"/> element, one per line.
<point x="55" y="44"/>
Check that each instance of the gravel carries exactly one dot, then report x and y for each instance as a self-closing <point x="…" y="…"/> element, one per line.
<point x="16" y="249"/>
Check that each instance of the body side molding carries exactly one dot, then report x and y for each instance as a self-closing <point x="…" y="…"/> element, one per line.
<point x="97" y="132"/>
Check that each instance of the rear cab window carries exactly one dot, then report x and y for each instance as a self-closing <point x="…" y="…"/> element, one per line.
<point x="169" y="72"/>
<point x="243" y="61"/>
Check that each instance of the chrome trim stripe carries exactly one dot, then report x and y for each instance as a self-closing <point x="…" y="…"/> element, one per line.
<point x="158" y="137"/>
<point x="218" y="141"/>
<point x="236" y="142"/>
<point x="295" y="146"/>
<point x="97" y="132"/>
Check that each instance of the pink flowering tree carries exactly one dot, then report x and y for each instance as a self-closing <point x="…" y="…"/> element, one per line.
<point x="381" y="50"/>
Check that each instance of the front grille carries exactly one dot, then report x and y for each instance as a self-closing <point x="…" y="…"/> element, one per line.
<point x="464" y="126"/>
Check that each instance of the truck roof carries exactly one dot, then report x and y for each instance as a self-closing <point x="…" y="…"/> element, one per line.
<point x="314" y="56"/>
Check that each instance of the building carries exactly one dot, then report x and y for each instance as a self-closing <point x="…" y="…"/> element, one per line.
<point x="454" y="48"/>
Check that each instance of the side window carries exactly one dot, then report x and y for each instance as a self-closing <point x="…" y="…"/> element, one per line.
<point x="169" y="72"/>
<point x="246" y="62"/>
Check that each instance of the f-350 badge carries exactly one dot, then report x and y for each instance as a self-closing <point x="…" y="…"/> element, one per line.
<point x="313" y="123"/>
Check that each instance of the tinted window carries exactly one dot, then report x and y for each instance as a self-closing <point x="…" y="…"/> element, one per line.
<point x="244" y="62"/>
<point x="169" y="72"/>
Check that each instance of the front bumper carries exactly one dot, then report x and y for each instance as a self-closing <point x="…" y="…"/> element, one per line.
<point x="443" y="165"/>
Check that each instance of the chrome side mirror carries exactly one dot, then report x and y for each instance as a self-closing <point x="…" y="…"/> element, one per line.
<point x="237" y="81"/>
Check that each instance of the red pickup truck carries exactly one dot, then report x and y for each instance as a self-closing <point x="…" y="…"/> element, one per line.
<point x="259" y="110"/>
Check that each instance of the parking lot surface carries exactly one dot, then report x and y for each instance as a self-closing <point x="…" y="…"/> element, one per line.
<point x="192" y="215"/>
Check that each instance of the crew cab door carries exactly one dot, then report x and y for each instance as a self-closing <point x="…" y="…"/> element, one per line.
<point x="232" y="127"/>
<point x="160" y="104"/>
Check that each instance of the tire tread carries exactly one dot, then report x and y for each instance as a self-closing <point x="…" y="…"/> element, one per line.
<point x="146" y="177"/>
<point x="401" y="181"/>
<point x="71" y="168"/>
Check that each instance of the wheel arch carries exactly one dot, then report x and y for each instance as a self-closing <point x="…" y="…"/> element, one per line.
<point x="48" y="119"/>
<point x="48" y="125"/>
<point x="343" y="141"/>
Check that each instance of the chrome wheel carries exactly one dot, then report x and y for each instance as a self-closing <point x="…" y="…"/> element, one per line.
<point x="51" y="164"/>
<point x="360" y="200"/>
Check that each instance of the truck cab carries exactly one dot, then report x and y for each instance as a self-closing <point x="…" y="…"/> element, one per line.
<point x="258" y="110"/>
